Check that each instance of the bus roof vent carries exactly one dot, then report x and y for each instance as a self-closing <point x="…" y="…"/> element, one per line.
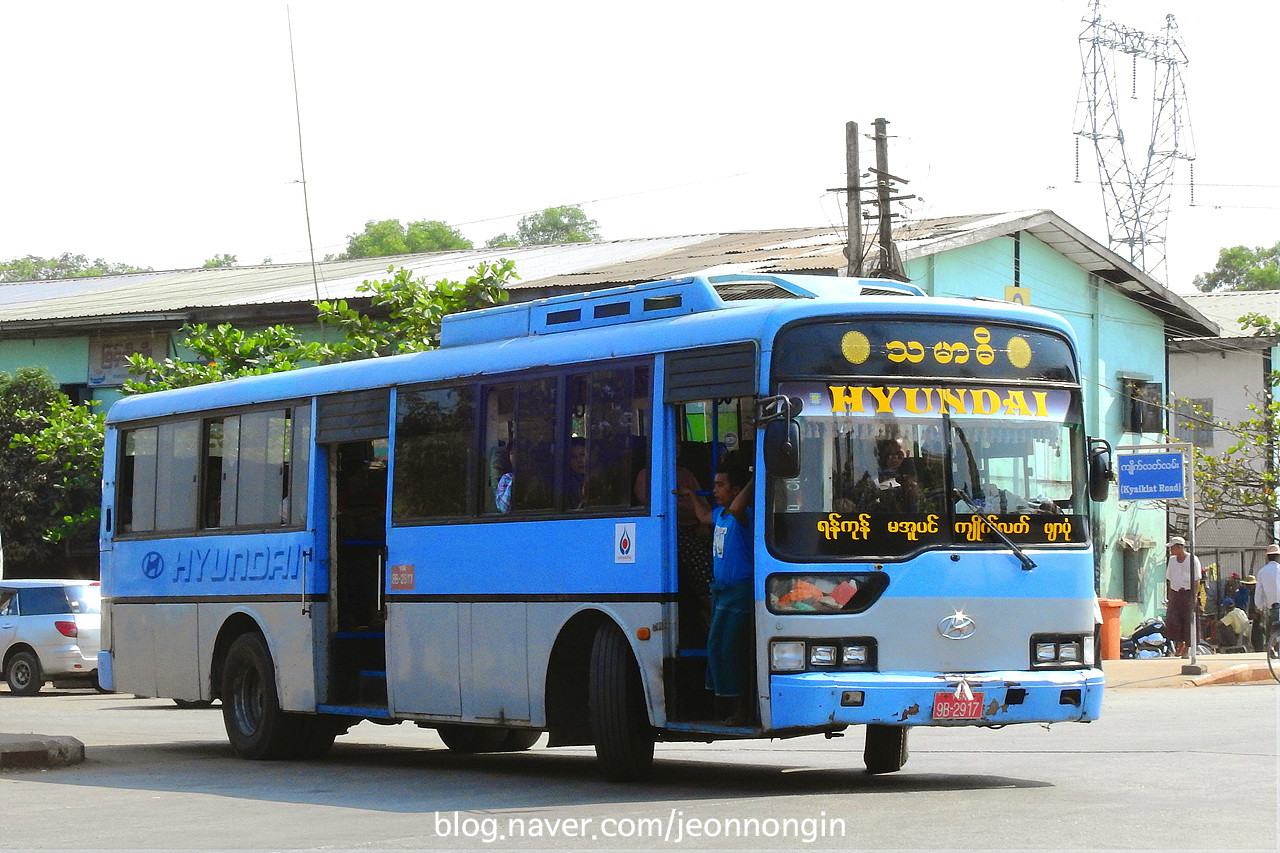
<point x="889" y="288"/>
<point x="734" y="292"/>
<point x="611" y="307"/>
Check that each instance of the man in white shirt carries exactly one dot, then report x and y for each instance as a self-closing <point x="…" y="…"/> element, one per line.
<point x="1267" y="592"/>
<point x="1178" y="583"/>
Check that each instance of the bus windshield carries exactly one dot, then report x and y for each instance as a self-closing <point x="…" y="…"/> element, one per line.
<point x="893" y="465"/>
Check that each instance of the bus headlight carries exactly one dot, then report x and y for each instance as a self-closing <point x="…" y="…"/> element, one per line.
<point x="822" y="655"/>
<point x="787" y="656"/>
<point x="838" y="654"/>
<point x="1061" y="650"/>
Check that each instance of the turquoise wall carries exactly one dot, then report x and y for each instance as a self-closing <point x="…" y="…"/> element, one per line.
<point x="1117" y="337"/>
<point x="66" y="358"/>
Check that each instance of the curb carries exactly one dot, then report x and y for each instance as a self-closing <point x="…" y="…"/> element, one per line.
<point x="39" y="751"/>
<point x="1244" y="673"/>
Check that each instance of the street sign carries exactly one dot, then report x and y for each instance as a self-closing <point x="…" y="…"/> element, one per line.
<point x="1150" y="476"/>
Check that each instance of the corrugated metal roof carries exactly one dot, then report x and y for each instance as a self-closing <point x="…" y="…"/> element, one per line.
<point x="184" y="294"/>
<point x="1227" y="308"/>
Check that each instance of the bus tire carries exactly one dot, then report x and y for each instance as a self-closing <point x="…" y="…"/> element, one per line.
<point x="885" y="750"/>
<point x="23" y="674"/>
<point x="256" y="726"/>
<point x="616" y="704"/>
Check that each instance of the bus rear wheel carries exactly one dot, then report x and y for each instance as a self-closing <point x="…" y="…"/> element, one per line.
<point x="885" y="750"/>
<point x="256" y="726"/>
<point x="619" y="716"/>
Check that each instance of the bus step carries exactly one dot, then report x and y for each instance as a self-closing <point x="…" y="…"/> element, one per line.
<point x="372" y="711"/>
<point x="712" y="727"/>
<point x="372" y="687"/>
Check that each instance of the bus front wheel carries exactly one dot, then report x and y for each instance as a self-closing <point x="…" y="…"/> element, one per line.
<point x="885" y="750"/>
<point x="619" y="716"/>
<point x="255" y="723"/>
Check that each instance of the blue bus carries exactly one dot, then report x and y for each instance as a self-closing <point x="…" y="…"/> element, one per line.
<point x="485" y="539"/>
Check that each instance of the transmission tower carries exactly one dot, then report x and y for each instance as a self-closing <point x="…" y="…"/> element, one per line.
<point x="1135" y="195"/>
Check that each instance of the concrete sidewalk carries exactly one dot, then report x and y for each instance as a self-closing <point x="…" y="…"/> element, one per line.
<point x="40" y="751"/>
<point x="1167" y="672"/>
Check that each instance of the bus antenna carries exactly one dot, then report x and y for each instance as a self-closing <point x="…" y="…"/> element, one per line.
<point x="302" y="163"/>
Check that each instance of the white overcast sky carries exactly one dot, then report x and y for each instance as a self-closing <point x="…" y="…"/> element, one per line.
<point x="161" y="134"/>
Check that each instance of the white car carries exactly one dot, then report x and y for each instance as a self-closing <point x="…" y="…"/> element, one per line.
<point x="50" y="630"/>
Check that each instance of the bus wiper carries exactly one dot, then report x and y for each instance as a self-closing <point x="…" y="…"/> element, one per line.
<point x="1027" y="563"/>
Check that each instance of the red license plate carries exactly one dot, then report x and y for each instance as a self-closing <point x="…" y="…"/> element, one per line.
<point x="947" y="707"/>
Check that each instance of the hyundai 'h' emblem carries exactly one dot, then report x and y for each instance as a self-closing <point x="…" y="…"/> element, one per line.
<point x="957" y="626"/>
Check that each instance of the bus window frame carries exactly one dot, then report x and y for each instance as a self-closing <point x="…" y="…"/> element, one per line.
<point x="202" y="419"/>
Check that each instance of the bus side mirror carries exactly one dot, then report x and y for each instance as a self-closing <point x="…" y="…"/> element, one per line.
<point x="782" y="448"/>
<point x="1099" y="469"/>
<point x="782" y="440"/>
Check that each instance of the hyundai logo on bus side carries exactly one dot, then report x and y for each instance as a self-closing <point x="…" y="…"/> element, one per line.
<point x="153" y="565"/>
<point x="957" y="626"/>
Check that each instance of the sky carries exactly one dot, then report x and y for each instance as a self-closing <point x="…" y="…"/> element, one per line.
<point x="162" y="134"/>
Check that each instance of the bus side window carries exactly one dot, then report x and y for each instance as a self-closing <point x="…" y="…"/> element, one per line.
<point x="520" y="419"/>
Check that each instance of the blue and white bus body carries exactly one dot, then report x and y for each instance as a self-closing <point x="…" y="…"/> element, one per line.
<point x="485" y="618"/>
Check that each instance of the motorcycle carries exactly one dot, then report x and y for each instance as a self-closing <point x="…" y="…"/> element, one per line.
<point x="1147" y="641"/>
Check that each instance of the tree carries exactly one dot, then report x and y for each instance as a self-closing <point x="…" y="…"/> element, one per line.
<point x="566" y="224"/>
<point x="1242" y="482"/>
<point x="389" y="237"/>
<point x="501" y="241"/>
<point x="66" y="265"/>
<point x="1242" y="268"/>
<point x="220" y="261"/>
<point x="50" y="468"/>
<point x="413" y="311"/>
<point x="222" y="352"/>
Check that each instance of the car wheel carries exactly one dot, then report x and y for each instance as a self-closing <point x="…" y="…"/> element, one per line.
<point x="885" y="750"/>
<point x="23" y="674"/>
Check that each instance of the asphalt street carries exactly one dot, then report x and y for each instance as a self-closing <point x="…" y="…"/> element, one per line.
<point x="1148" y="775"/>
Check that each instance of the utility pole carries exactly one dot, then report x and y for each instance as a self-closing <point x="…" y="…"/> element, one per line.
<point x="853" y="199"/>
<point x="888" y="262"/>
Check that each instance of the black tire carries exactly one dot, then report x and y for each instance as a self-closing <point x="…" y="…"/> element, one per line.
<point x="619" y="717"/>
<point x="885" y="750"/>
<point x="256" y="726"/>
<point x="24" y="675"/>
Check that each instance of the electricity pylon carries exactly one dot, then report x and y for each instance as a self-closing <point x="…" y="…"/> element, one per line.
<point x="1135" y="195"/>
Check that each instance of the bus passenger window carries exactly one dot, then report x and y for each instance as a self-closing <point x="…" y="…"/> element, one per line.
<point x="432" y="453"/>
<point x="520" y="416"/>
<point x="608" y="443"/>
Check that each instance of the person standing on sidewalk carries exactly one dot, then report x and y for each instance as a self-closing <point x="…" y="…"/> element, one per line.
<point x="1266" y="595"/>
<point x="1178" y="583"/>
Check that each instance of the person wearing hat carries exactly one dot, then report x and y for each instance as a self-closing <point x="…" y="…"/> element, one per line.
<point x="1178" y="584"/>
<point x="1233" y="627"/>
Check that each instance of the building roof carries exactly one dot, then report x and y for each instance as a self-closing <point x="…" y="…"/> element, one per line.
<point x="284" y="292"/>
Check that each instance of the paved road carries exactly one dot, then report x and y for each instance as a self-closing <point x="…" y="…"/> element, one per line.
<point x="1149" y="775"/>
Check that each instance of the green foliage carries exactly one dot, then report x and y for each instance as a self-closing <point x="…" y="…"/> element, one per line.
<point x="66" y="265"/>
<point x="389" y="237"/>
<point x="566" y="224"/>
<point x="220" y="261"/>
<point x="502" y="241"/>
<point x="1241" y="482"/>
<point x="410" y="311"/>
<point x="1242" y="268"/>
<point x="222" y="352"/>
<point x="50" y="467"/>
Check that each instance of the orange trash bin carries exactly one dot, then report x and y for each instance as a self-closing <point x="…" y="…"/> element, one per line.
<point x="1111" y="608"/>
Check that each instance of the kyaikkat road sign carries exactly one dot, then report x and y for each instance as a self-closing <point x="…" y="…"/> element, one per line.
<point x="1151" y="476"/>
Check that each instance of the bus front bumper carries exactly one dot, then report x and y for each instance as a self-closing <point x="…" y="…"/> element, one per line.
<point x="935" y="699"/>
